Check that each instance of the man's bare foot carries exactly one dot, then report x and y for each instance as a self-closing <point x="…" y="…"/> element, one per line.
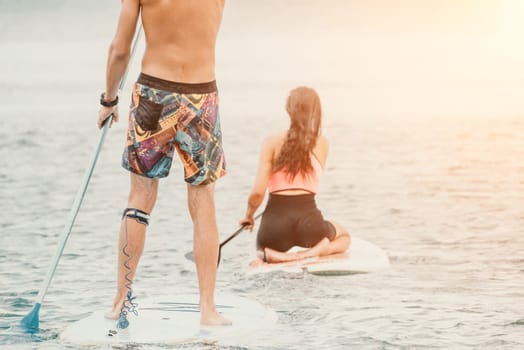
<point x="114" y="314"/>
<point x="214" y="319"/>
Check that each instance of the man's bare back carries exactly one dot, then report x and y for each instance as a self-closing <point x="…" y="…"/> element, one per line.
<point x="180" y="38"/>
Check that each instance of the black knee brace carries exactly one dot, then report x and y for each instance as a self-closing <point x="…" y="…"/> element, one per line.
<point x="137" y="214"/>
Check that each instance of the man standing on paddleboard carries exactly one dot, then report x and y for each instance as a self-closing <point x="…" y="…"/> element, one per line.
<point x="174" y="107"/>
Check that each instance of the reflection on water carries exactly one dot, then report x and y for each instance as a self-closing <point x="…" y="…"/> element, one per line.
<point x="443" y="197"/>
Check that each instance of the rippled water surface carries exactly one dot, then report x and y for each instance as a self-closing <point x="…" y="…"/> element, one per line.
<point x="443" y="196"/>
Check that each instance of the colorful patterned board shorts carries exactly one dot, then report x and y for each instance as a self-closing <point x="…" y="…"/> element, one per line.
<point x="165" y="116"/>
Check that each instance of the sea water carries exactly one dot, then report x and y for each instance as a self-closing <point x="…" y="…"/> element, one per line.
<point x="442" y="194"/>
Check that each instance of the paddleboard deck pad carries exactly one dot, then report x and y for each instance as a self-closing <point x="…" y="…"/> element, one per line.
<point x="362" y="257"/>
<point x="172" y="320"/>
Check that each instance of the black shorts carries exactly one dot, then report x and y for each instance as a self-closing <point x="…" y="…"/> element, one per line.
<point x="292" y="221"/>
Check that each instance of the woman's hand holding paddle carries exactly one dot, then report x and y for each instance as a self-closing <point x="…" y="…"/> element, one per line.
<point x="247" y="223"/>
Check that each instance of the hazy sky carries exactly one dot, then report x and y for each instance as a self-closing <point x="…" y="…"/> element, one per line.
<point x="434" y="57"/>
<point x="443" y="40"/>
<point x="379" y="57"/>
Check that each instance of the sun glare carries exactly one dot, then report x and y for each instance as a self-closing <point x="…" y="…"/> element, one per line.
<point x="513" y="23"/>
<point x="514" y="11"/>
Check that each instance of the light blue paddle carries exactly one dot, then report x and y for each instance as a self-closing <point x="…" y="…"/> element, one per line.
<point x="31" y="321"/>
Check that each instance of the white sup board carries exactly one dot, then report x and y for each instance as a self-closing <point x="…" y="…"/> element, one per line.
<point x="362" y="257"/>
<point x="172" y="320"/>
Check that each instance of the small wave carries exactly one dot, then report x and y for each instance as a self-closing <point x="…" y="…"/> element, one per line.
<point x="7" y="314"/>
<point x="18" y="303"/>
<point x="515" y="323"/>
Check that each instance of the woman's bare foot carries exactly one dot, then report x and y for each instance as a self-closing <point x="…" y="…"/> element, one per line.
<point x="314" y="251"/>
<point x="256" y="263"/>
<point x="275" y="256"/>
<point x="213" y="319"/>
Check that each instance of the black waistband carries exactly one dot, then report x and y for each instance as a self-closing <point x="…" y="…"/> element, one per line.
<point x="294" y="201"/>
<point x="181" y="88"/>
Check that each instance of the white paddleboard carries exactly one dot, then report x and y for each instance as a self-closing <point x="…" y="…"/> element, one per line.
<point x="362" y="257"/>
<point x="172" y="320"/>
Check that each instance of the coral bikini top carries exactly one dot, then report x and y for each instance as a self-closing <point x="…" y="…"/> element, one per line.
<point x="280" y="180"/>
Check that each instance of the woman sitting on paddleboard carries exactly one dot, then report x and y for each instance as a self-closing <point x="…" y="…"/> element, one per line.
<point x="290" y="166"/>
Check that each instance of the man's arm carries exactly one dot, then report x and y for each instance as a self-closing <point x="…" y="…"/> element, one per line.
<point x="120" y="48"/>
<point x="118" y="56"/>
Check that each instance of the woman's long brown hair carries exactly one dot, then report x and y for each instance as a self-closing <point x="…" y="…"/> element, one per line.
<point x="303" y="107"/>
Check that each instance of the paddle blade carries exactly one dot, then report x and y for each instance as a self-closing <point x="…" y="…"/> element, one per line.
<point x="31" y="321"/>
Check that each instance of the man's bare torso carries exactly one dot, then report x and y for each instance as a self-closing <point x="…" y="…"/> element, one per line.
<point x="180" y="38"/>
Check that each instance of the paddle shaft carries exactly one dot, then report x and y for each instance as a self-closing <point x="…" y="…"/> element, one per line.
<point x="190" y="255"/>
<point x="236" y="233"/>
<point x="83" y="188"/>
